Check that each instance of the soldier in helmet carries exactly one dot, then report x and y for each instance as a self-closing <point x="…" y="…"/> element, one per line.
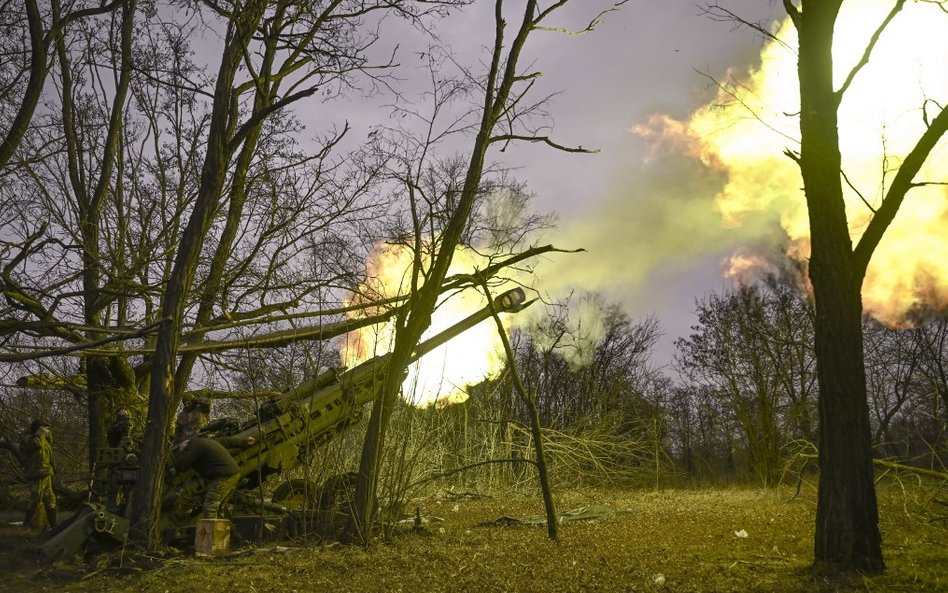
<point x="195" y="414"/>
<point x="120" y="428"/>
<point x="209" y="457"/>
<point x="37" y="452"/>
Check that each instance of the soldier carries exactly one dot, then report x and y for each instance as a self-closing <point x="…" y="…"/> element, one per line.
<point x="120" y="428"/>
<point x="195" y="414"/>
<point x="37" y="452"/>
<point x="211" y="460"/>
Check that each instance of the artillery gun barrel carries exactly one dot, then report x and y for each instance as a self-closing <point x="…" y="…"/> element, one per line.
<point x="332" y="400"/>
<point x="510" y="301"/>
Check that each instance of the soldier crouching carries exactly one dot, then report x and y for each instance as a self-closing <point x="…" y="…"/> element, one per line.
<point x="211" y="460"/>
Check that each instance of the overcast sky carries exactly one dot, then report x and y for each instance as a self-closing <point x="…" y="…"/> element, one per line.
<point x="643" y="221"/>
<point x="653" y="241"/>
<point x="640" y="88"/>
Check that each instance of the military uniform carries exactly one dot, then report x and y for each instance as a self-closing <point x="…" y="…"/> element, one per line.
<point x="213" y="463"/>
<point x="37" y="450"/>
<point x="119" y="430"/>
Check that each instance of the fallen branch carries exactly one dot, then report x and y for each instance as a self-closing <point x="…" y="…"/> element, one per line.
<point x="897" y="466"/>
<point x="457" y="470"/>
<point x="931" y="473"/>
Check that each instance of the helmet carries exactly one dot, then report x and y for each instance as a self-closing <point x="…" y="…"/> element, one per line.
<point x="36" y="424"/>
<point x="200" y="404"/>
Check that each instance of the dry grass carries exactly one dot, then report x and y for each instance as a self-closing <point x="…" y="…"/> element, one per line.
<point x="686" y="536"/>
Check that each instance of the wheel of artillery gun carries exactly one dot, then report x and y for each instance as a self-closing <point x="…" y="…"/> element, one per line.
<point x="297" y="493"/>
<point x="338" y="492"/>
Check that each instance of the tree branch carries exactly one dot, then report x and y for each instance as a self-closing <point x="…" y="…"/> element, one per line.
<point x="545" y="140"/>
<point x="899" y="188"/>
<point x="261" y="115"/>
<point x="85" y="347"/>
<point x="865" y="56"/>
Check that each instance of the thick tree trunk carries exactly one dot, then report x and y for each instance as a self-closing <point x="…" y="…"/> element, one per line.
<point x="34" y="86"/>
<point x="847" y="521"/>
<point x="359" y="529"/>
<point x="847" y="525"/>
<point x="236" y="200"/>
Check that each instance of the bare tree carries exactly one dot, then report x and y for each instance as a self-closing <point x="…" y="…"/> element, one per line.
<point x="140" y="167"/>
<point x="905" y="382"/>
<point x="500" y="119"/>
<point x="36" y="62"/>
<point x="933" y="338"/>
<point x="892" y="360"/>
<point x="287" y="50"/>
<point x="847" y="524"/>
<point x="753" y="349"/>
<point x="75" y="188"/>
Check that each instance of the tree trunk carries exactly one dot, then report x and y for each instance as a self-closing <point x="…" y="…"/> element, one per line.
<point x="847" y="520"/>
<point x="530" y="401"/>
<point x="161" y="398"/>
<point x="34" y="86"/>
<point x="359" y="529"/>
<point x="501" y="78"/>
<point x="236" y="200"/>
<point x="105" y="378"/>
<point x="847" y="523"/>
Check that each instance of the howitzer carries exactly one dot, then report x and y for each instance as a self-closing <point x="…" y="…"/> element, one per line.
<point x="285" y="430"/>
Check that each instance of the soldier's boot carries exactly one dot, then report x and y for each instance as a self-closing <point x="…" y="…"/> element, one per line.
<point x="52" y="516"/>
<point x="28" y="518"/>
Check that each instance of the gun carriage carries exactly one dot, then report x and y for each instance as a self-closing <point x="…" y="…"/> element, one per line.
<point x="286" y="430"/>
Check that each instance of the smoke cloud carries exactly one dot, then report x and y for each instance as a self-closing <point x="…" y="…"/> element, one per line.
<point x="719" y="182"/>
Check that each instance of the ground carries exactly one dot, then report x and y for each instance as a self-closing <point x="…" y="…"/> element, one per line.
<point x="657" y="541"/>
